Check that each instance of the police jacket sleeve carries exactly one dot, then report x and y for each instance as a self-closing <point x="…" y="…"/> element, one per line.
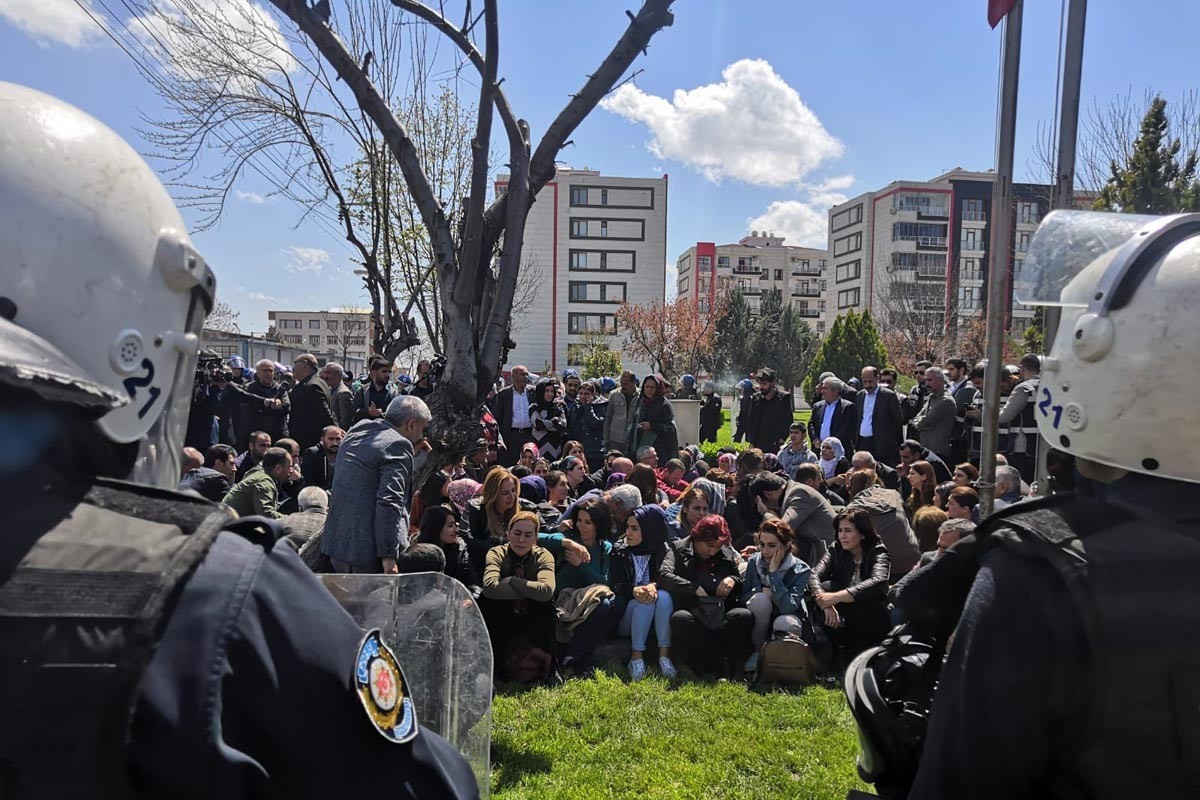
<point x="249" y="694"/>
<point x="1014" y="405"/>
<point x="1011" y="686"/>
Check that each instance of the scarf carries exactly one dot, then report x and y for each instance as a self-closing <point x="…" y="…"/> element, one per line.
<point x="714" y="493"/>
<point x="461" y="491"/>
<point x="533" y="487"/>
<point x="789" y="561"/>
<point x="653" y="522"/>
<point x="659" y="396"/>
<point x="828" y="467"/>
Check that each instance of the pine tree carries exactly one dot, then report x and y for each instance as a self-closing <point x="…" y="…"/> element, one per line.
<point x="734" y="336"/>
<point x="853" y="342"/>
<point x="1154" y="179"/>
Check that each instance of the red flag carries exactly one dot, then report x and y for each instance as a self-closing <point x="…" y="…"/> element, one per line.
<point x="998" y="9"/>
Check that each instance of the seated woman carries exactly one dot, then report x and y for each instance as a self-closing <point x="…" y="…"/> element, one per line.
<point x="703" y="575"/>
<point x="518" y="590"/>
<point x="775" y="585"/>
<point x="963" y="503"/>
<point x="646" y="481"/>
<point x="636" y="566"/>
<point x="922" y="481"/>
<point x="925" y="525"/>
<point x="592" y="530"/>
<point x="557" y="489"/>
<point x="579" y="482"/>
<point x="703" y="497"/>
<point x="942" y="493"/>
<point x="440" y="528"/>
<point x="833" y="463"/>
<point x="965" y="474"/>
<point x="485" y="522"/>
<point x="541" y="467"/>
<point x="529" y="456"/>
<point x="850" y="585"/>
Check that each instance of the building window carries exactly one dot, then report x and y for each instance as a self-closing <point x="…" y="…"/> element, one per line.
<point x="778" y="274"/>
<point x="821" y="328"/>
<point x="973" y="211"/>
<point x="603" y="229"/>
<point x="627" y="230"/>
<point x="290" y="324"/>
<point x="579" y="196"/>
<point x="970" y="298"/>
<point x="847" y="244"/>
<point x="314" y="341"/>
<point x="579" y="323"/>
<point x="603" y="261"/>
<point x="1023" y="241"/>
<point x="357" y="340"/>
<point x="846" y="218"/>
<point x="681" y="291"/>
<point x="849" y="271"/>
<point x="703" y="262"/>
<point x="294" y="339"/>
<point x="922" y="204"/>
<point x="1027" y="213"/>
<point x="332" y="324"/>
<point x="925" y="234"/>
<point x="723" y="261"/>
<point x="314" y="324"/>
<point x="604" y="197"/>
<point x="581" y="292"/>
<point x="848" y="298"/>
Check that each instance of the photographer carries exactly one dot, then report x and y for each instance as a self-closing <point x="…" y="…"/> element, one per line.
<point x="210" y="381"/>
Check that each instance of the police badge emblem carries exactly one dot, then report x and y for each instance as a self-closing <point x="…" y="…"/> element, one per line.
<point x="384" y="692"/>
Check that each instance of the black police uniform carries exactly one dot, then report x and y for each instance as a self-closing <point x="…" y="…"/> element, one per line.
<point x="247" y="693"/>
<point x="1037" y="700"/>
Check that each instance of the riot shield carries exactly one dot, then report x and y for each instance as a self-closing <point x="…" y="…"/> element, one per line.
<point x="438" y="635"/>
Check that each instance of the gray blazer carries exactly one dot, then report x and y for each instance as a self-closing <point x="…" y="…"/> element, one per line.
<point x="935" y="423"/>
<point x="343" y="406"/>
<point x="368" y="519"/>
<point x="810" y="516"/>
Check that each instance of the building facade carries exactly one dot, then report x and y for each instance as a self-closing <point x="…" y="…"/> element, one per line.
<point x="756" y="264"/>
<point x="339" y="334"/>
<point x="917" y="254"/>
<point x="591" y="242"/>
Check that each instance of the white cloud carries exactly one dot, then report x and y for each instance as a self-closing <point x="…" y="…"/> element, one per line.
<point x="182" y="34"/>
<point x="799" y="223"/>
<point x="269" y="298"/>
<point x="751" y="126"/>
<point x="253" y="198"/>
<point x="305" y="259"/>
<point x="46" y="21"/>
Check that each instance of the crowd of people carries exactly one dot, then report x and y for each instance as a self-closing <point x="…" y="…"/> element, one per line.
<point x="578" y="518"/>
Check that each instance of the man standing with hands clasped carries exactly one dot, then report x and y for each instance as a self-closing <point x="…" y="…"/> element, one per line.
<point x="372" y="481"/>
<point x="374" y="396"/>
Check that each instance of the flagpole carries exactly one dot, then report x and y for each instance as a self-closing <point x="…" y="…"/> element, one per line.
<point x="999" y="249"/>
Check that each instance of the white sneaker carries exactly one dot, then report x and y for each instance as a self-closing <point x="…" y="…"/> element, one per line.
<point x="667" y="668"/>
<point x="637" y="669"/>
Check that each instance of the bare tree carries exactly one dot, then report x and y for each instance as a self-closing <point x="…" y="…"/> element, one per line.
<point x="341" y="325"/>
<point x="223" y="318"/>
<point x="914" y="311"/>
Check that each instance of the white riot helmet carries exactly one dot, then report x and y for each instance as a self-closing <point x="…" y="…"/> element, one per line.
<point x="102" y="294"/>
<point x="1117" y="387"/>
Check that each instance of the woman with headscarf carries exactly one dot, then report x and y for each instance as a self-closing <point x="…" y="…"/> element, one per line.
<point x="653" y="422"/>
<point x="833" y="462"/>
<point x="636" y="563"/>
<point x="727" y="462"/>
<point x="703" y="497"/>
<point x="710" y="412"/>
<point x="460" y="492"/>
<point x="704" y="576"/>
<point x="548" y="416"/>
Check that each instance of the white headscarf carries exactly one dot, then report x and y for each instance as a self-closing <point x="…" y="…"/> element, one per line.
<point x="828" y="468"/>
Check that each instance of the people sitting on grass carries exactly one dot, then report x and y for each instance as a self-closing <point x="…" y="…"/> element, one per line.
<point x="774" y="587"/>
<point x="704" y="576"/>
<point x="518" y="592"/>
<point x="439" y="527"/>
<point x="636" y="569"/>
<point x="850" y="585"/>
<point x="592" y="530"/>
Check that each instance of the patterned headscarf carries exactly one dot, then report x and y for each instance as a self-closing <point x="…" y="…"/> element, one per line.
<point x="461" y="491"/>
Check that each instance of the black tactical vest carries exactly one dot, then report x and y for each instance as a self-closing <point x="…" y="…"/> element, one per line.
<point x="1135" y="584"/>
<point x="80" y="617"/>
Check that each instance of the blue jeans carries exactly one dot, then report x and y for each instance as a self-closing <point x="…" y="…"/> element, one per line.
<point x="638" y="616"/>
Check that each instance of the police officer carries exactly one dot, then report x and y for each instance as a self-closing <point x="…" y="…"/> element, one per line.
<point x="1074" y="670"/>
<point x="1018" y="414"/>
<point x="147" y="649"/>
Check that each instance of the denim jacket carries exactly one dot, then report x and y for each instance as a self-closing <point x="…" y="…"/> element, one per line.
<point x="788" y="585"/>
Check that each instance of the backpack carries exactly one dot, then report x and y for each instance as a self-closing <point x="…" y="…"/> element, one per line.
<point x="786" y="659"/>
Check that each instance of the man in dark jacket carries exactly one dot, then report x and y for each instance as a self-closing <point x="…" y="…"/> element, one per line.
<point x="265" y="405"/>
<point x="880" y="419"/>
<point x="311" y="412"/>
<point x="316" y="466"/>
<point x="373" y="397"/>
<point x="341" y="396"/>
<point x="215" y="478"/>
<point x="769" y="415"/>
<point x="833" y="416"/>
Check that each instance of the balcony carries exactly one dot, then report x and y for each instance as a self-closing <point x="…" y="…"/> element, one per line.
<point x="931" y="242"/>
<point x="811" y="272"/>
<point x="808" y="313"/>
<point x="971" y="275"/>
<point x="747" y="269"/>
<point x="1029" y="219"/>
<point x="974" y="216"/>
<point x="936" y="273"/>
<point x="807" y="291"/>
<point x="752" y="290"/>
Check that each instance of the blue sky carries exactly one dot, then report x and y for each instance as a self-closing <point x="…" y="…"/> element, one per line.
<point x="814" y="101"/>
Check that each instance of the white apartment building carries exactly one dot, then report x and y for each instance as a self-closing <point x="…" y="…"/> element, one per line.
<point x="591" y="242"/>
<point x="917" y="253"/>
<point x="756" y="264"/>
<point x="339" y="334"/>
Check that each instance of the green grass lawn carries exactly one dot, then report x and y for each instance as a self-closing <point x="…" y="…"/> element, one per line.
<point x="606" y="738"/>
<point x="725" y="432"/>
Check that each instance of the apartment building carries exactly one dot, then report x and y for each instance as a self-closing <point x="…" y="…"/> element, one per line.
<point x="339" y="334"/>
<point x="591" y="242"/>
<point x="758" y="263"/>
<point x="917" y="252"/>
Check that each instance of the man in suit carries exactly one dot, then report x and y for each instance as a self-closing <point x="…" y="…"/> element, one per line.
<point x="311" y="412"/>
<point x="833" y="415"/>
<point x="935" y="422"/>
<point x="341" y="395"/>
<point x="367" y="526"/>
<point x="510" y="407"/>
<point x="880" y="419"/>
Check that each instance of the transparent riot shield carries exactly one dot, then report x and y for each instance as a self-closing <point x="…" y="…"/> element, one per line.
<point x="438" y="635"/>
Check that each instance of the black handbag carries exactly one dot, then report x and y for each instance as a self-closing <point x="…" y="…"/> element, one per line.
<point x="710" y="611"/>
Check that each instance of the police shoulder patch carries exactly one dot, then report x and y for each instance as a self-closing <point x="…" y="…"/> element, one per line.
<point x="383" y="691"/>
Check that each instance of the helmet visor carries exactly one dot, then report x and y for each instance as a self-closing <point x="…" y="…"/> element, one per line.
<point x="1065" y="243"/>
<point x="161" y="451"/>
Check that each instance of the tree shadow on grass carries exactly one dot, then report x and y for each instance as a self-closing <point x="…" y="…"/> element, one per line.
<point x="510" y="766"/>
